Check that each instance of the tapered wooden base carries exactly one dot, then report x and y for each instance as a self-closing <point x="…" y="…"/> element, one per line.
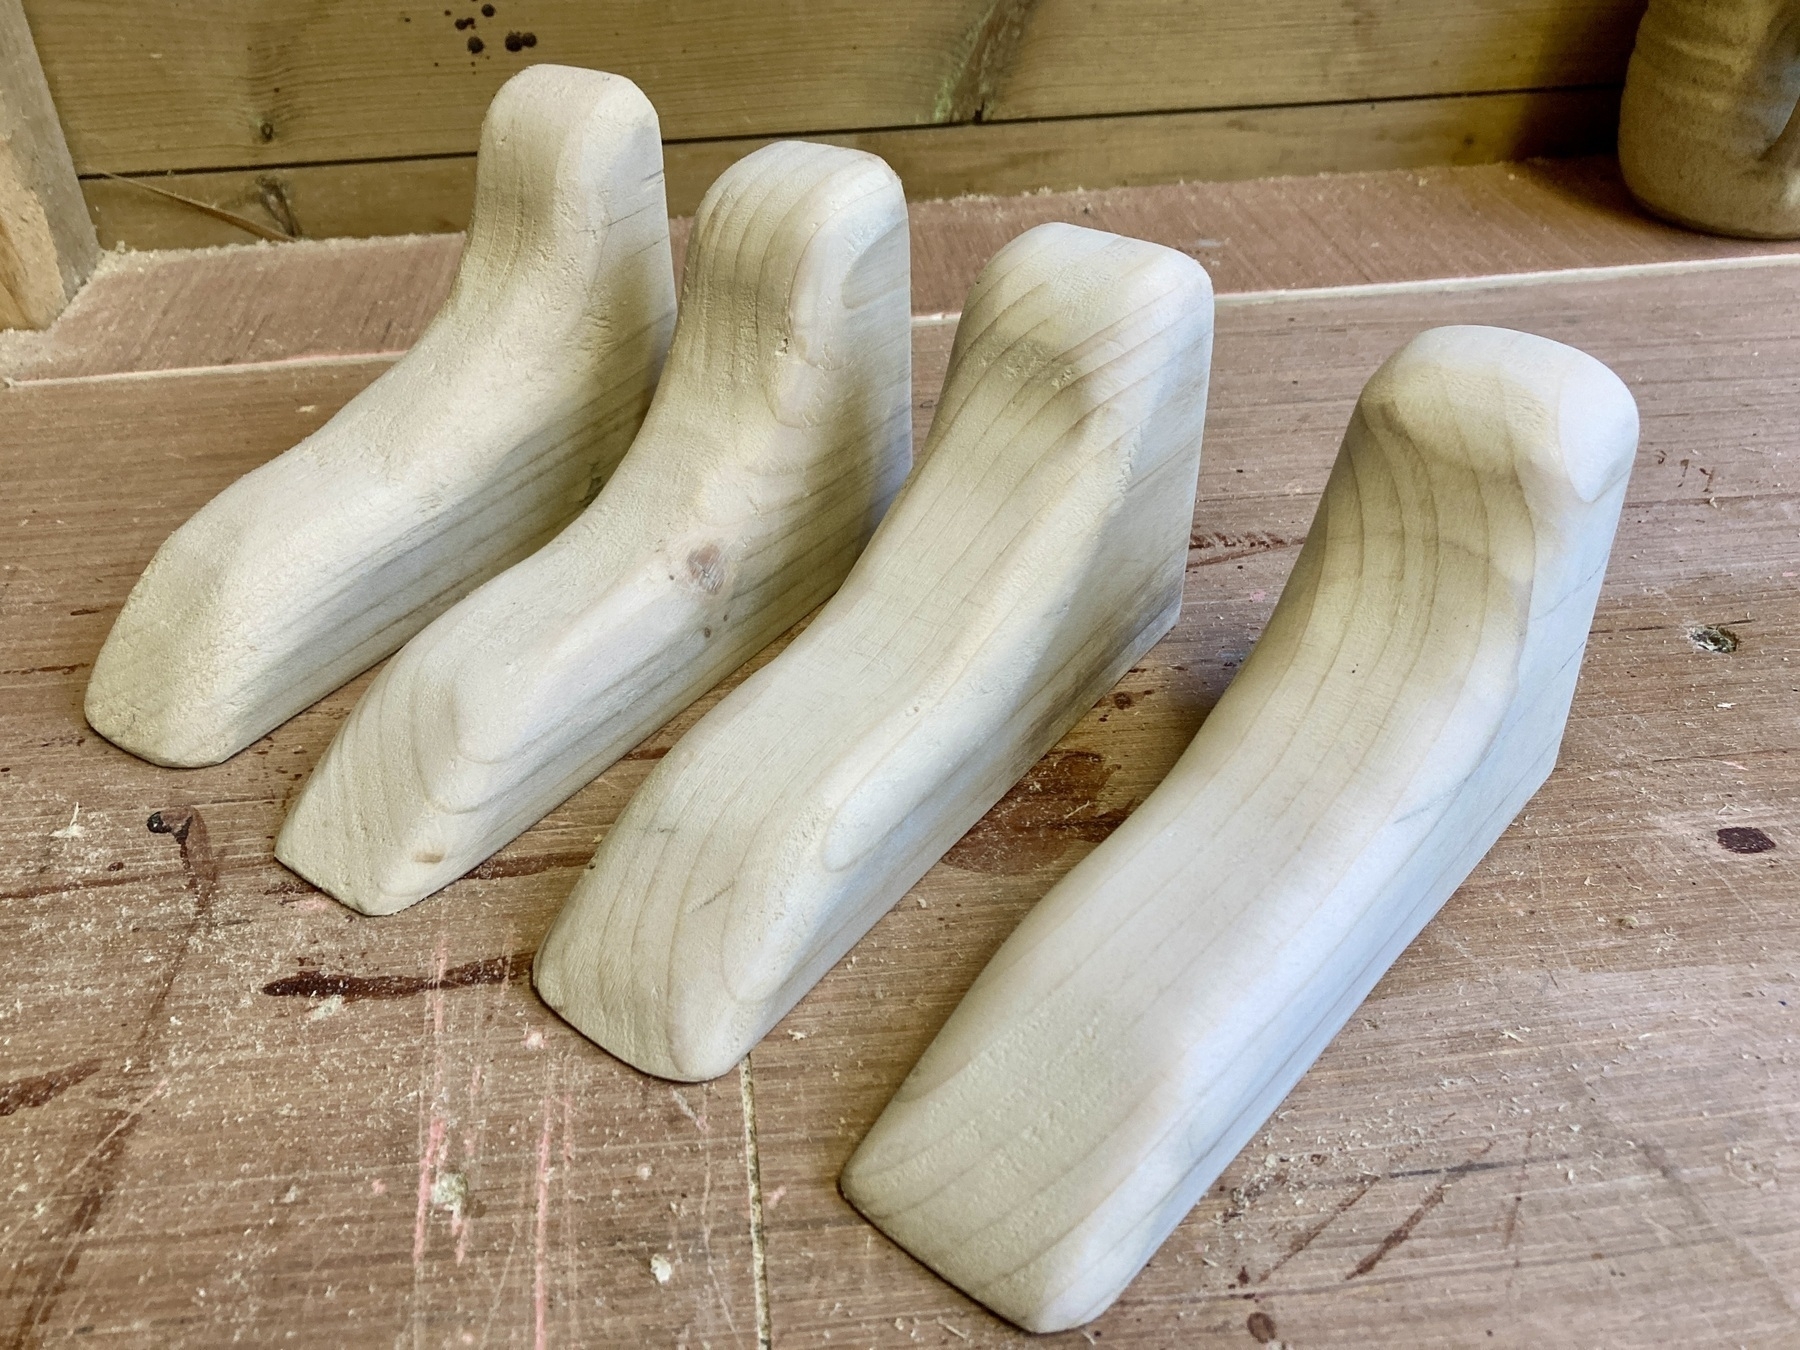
<point x="1406" y="699"/>
<point x="1037" y="553"/>
<point x="779" y="434"/>
<point x="488" y="437"/>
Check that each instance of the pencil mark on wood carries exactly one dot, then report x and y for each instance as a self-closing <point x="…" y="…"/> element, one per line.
<point x="355" y="988"/>
<point x="102" y="1165"/>
<point x="24" y="1093"/>
<point x="1312" y="1234"/>
<point x="1433" y="1198"/>
<point x="1054" y="805"/>
<point x="100" y="1169"/>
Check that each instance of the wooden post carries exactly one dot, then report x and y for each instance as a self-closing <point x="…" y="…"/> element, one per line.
<point x="47" y="244"/>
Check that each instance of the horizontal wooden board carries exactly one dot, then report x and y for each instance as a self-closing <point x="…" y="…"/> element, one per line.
<point x="1154" y="55"/>
<point x="426" y="195"/>
<point x="317" y="299"/>
<point x="235" y="83"/>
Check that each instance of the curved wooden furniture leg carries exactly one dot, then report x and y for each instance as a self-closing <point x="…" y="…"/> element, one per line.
<point x="1709" y="131"/>
<point x="1036" y="554"/>
<point x="482" y="442"/>
<point x="1406" y="699"/>
<point x="780" y="433"/>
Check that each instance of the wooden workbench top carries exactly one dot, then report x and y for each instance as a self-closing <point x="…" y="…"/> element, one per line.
<point x="232" y="1110"/>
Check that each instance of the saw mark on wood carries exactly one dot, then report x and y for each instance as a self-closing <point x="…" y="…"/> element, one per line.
<point x="102" y="1166"/>
<point x="1224" y="548"/>
<point x="354" y="988"/>
<point x="24" y="1093"/>
<point x="68" y="887"/>
<point x="1312" y="1234"/>
<point x="495" y="868"/>
<point x="1054" y="805"/>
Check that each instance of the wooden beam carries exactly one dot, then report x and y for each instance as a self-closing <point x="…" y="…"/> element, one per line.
<point x="427" y="196"/>
<point x="245" y="83"/>
<point x="47" y="244"/>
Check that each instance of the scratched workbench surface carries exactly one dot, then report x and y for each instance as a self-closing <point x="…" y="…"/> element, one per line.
<point x="233" y="1112"/>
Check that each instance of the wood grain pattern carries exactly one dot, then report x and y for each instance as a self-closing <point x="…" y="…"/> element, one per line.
<point x="476" y="449"/>
<point x="1611" y="967"/>
<point x="1415" y="1190"/>
<point x="239" y="84"/>
<point x="1154" y="55"/>
<point x="427" y="195"/>
<point x="47" y="246"/>
<point x="780" y="430"/>
<point x="1034" y="556"/>
<point x="1406" y="699"/>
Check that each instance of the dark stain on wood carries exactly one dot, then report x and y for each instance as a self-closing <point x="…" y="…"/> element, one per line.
<point x="1745" y="839"/>
<point x="706" y="568"/>
<point x="65" y="886"/>
<point x="1054" y="805"/>
<point x="24" y="1093"/>
<point x="1713" y="638"/>
<point x="355" y="988"/>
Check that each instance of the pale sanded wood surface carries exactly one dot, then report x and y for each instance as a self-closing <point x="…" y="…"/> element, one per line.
<point x="312" y="299"/>
<point x="427" y="195"/>
<point x="187" y="1158"/>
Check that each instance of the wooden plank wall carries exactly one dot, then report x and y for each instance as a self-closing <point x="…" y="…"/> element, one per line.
<point x="325" y="117"/>
<point x="47" y="246"/>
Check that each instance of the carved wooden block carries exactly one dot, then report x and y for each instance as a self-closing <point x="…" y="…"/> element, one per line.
<point x="1037" y="553"/>
<point x="1709" y="135"/>
<point x="486" y="439"/>
<point x="1406" y="699"/>
<point x="778" y="436"/>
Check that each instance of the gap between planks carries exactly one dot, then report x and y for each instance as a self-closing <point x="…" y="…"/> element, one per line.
<point x="1450" y="285"/>
<point x="759" y="1256"/>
